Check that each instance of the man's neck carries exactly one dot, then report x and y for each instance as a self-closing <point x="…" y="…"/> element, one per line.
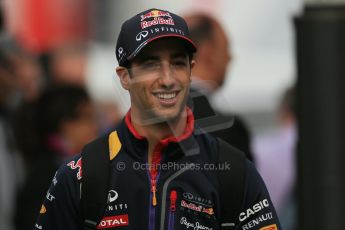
<point x="159" y="131"/>
<point x="154" y="133"/>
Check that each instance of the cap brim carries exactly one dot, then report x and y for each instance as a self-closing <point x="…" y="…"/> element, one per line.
<point x="190" y="44"/>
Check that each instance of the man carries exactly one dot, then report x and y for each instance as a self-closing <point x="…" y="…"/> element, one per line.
<point x="155" y="56"/>
<point x="213" y="58"/>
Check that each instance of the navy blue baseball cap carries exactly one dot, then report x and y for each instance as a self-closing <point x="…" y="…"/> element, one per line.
<point x="146" y="27"/>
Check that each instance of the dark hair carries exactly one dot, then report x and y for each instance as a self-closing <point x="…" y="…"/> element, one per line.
<point x="35" y="121"/>
<point x="58" y="104"/>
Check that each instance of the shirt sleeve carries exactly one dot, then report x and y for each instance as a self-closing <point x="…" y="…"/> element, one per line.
<point x="61" y="206"/>
<point x="257" y="210"/>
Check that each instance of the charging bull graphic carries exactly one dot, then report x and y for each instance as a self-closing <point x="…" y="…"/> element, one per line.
<point x="74" y="165"/>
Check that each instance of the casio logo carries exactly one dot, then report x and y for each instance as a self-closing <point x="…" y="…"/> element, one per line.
<point x="256" y="208"/>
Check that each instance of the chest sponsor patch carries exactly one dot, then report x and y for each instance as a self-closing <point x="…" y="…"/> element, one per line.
<point x="197" y="199"/>
<point x="257" y="221"/>
<point x="270" y="227"/>
<point x="197" y="208"/>
<point x="252" y="210"/>
<point x="113" y="221"/>
<point x="193" y="225"/>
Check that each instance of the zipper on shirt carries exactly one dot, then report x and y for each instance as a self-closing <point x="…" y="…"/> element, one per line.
<point x="153" y="178"/>
<point x="164" y="196"/>
<point x="153" y="201"/>
<point x="172" y="210"/>
<point x="154" y="190"/>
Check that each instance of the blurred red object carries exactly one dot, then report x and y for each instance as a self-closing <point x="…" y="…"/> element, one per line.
<point x="40" y="25"/>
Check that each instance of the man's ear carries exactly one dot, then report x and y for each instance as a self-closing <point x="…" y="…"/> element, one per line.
<point x="192" y="64"/>
<point x="123" y="74"/>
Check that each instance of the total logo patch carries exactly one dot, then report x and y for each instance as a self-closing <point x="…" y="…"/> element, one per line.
<point x="270" y="227"/>
<point x="113" y="221"/>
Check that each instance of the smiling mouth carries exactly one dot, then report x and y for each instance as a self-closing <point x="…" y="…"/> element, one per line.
<point x="166" y="96"/>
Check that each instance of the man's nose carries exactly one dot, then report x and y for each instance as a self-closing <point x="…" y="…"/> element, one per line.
<point x="167" y="74"/>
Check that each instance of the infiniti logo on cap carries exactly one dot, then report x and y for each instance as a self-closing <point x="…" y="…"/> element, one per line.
<point x="141" y="35"/>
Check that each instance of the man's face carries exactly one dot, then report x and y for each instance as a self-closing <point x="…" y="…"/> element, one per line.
<point x="159" y="80"/>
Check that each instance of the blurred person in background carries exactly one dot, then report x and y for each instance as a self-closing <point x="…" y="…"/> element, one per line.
<point x="109" y="115"/>
<point x="275" y="157"/>
<point x="29" y="75"/>
<point x="26" y="74"/>
<point x="8" y="175"/>
<point x="209" y="74"/>
<point x="20" y="84"/>
<point x="65" y="121"/>
<point x="66" y="64"/>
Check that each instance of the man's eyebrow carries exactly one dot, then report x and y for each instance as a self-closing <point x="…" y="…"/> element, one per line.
<point x="151" y="57"/>
<point x="144" y="58"/>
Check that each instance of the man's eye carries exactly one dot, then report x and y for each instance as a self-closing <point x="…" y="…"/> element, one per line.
<point x="180" y="63"/>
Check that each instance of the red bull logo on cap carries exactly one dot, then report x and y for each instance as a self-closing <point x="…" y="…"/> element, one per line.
<point x="158" y="19"/>
<point x="155" y="14"/>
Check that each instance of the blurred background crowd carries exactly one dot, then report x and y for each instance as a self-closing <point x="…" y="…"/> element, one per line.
<point x="58" y="88"/>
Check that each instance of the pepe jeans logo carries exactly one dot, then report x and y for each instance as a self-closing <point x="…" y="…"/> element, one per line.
<point x="141" y="35"/>
<point x="191" y="225"/>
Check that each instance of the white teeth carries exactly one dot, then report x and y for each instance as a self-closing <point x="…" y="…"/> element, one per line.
<point x="166" y="95"/>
